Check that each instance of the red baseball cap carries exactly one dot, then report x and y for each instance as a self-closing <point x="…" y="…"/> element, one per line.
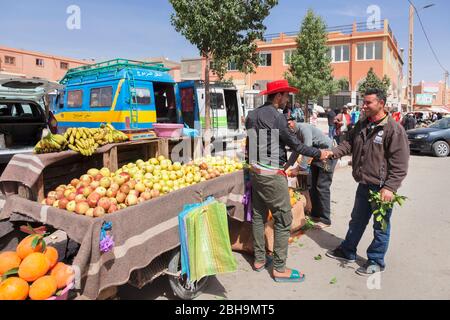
<point x="278" y="86"/>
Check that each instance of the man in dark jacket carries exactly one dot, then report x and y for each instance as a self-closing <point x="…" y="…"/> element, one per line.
<point x="267" y="137"/>
<point x="331" y="116"/>
<point x="380" y="155"/>
<point x="409" y="122"/>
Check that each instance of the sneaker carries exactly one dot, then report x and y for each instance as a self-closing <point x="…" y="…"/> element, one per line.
<point x="338" y="254"/>
<point x="369" y="268"/>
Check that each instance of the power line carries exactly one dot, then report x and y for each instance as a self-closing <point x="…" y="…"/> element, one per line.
<point x="426" y="36"/>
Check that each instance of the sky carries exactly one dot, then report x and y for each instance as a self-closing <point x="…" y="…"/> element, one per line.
<point x="136" y="29"/>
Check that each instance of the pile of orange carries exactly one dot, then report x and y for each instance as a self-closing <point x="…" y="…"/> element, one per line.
<point x="32" y="271"/>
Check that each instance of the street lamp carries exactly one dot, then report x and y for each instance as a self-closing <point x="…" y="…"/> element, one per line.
<point x="412" y="10"/>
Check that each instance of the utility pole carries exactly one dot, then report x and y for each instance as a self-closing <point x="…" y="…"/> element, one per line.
<point x="445" y="88"/>
<point x="410" y="59"/>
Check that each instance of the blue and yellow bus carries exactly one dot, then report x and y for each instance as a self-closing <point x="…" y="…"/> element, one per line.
<point x="131" y="95"/>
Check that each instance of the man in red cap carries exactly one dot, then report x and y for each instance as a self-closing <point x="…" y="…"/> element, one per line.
<point x="267" y="137"/>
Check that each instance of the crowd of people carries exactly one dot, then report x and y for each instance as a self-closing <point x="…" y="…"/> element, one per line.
<point x="380" y="154"/>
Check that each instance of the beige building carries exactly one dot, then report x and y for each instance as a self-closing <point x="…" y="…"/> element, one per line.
<point x="25" y="63"/>
<point x="175" y="67"/>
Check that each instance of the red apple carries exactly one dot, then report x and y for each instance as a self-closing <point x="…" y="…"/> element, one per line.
<point x="113" y="201"/>
<point x="120" y="197"/>
<point x="114" y="186"/>
<point x="79" y="198"/>
<point x="71" y="206"/>
<point x="61" y="188"/>
<point x="131" y="200"/>
<point x="86" y="178"/>
<point x="82" y="207"/>
<point x="132" y="183"/>
<point x="113" y="208"/>
<point x="105" y="182"/>
<point x="49" y="201"/>
<point x="80" y="190"/>
<point x="93" y="199"/>
<point x="125" y="188"/>
<point x="134" y="192"/>
<point x="95" y="184"/>
<point x="105" y="203"/>
<point x="74" y="182"/>
<point x="59" y="194"/>
<point x="87" y="191"/>
<point x="111" y="193"/>
<point x="146" y="195"/>
<point x="126" y="175"/>
<point x="155" y="193"/>
<point x="101" y="191"/>
<point x="71" y="196"/>
<point x="99" y="212"/>
<point x="63" y="203"/>
<point x="52" y="195"/>
<point x="98" y="177"/>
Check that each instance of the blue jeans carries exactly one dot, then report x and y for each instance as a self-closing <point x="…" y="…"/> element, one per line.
<point x="331" y="132"/>
<point x="361" y="215"/>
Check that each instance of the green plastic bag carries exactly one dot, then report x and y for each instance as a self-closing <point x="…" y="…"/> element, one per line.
<point x="209" y="242"/>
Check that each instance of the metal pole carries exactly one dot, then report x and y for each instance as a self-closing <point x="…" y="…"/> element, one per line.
<point x="410" y="59"/>
<point x="445" y="88"/>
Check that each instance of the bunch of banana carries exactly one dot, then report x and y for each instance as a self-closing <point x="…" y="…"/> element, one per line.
<point x="51" y="143"/>
<point x="81" y="140"/>
<point x="113" y="134"/>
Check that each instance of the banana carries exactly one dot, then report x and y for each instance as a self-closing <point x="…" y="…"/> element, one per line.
<point x="73" y="148"/>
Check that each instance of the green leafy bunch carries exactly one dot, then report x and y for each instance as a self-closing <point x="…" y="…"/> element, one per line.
<point x="380" y="207"/>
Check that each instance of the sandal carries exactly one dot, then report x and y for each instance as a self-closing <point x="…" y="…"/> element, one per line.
<point x="268" y="263"/>
<point x="295" y="277"/>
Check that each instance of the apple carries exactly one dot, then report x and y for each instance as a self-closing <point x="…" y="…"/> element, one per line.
<point x="105" y="203"/>
<point x="125" y="188"/>
<point x="95" y="184"/>
<point x="146" y="195"/>
<point x="52" y="195"/>
<point x="149" y="168"/>
<point x="122" y="206"/>
<point x="113" y="201"/>
<point x="157" y="187"/>
<point x="71" y="206"/>
<point x="113" y="208"/>
<point x="105" y="182"/>
<point x="126" y="176"/>
<point x="63" y="203"/>
<point x="161" y="158"/>
<point x="59" y="194"/>
<point x="148" y="183"/>
<point x="86" y="178"/>
<point x="165" y="189"/>
<point x="71" y="196"/>
<point x="56" y="204"/>
<point x="132" y="183"/>
<point x="82" y="207"/>
<point x="101" y="191"/>
<point x="139" y="187"/>
<point x="105" y="172"/>
<point x="119" y="180"/>
<point x="93" y="199"/>
<point x="74" y="182"/>
<point x="115" y="186"/>
<point x="87" y="191"/>
<point x="131" y="200"/>
<point x="80" y="190"/>
<point x="111" y="193"/>
<point x="93" y="172"/>
<point x="140" y="200"/>
<point x="176" y="166"/>
<point x="79" y="198"/>
<point x="90" y="212"/>
<point x="99" y="212"/>
<point x="120" y="197"/>
<point x="155" y="193"/>
<point x="61" y="188"/>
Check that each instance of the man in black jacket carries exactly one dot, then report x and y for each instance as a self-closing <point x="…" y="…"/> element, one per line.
<point x="268" y="136"/>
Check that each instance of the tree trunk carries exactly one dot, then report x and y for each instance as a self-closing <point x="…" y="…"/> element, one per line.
<point x="207" y="133"/>
<point x="306" y="111"/>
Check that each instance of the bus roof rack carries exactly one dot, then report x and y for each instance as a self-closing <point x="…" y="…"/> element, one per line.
<point x="112" y="65"/>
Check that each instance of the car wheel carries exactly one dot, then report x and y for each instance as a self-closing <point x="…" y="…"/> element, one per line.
<point x="441" y="149"/>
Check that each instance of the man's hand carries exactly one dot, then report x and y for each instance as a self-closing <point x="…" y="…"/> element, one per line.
<point x="325" y="154"/>
<point x="386" y="195"/>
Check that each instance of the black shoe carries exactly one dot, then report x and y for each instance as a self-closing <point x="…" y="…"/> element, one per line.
<point x="369" y="268"/>
<point x="338" y="254"/>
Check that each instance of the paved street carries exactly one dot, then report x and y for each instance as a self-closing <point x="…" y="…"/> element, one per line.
<point x="418" y="259"/>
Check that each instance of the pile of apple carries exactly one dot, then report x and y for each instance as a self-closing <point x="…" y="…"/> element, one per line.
<point x="100" y="192"/>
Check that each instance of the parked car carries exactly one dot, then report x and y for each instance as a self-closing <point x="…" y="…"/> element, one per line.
<point x="23" y="116"/>
<point x="434" y="139"/>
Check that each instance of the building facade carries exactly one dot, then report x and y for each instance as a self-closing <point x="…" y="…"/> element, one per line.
<point x="431" y="94"/>
<point x="353" y="49"/>
<point x="24" y="63"/>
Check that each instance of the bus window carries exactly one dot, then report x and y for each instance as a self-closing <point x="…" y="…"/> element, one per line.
<point x="142" y="96"/>
<point x="187" y="106"/>
<point x="217" y="101"/>
<point x="75" y="99"/>
<point x="101" y="97"/>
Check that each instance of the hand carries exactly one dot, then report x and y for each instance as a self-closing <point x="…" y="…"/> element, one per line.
<point x="325" y="154"/>
<point x="292" y="173"/>
<point x="386" y="195"/>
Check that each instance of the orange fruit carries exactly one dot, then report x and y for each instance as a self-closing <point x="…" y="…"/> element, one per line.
<point x="24" y="248"/>
<point x="293" y="202"/>
<point x="52" y="256"/>
<point x="63" y="274"/>
<point x="33" y="267"/>
<point x="8" y="260"/>
<point x="43" y="288"/>
<point x="14" y="289"/>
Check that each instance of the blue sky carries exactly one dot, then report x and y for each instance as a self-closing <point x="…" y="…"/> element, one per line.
<point x="141" y="28"/>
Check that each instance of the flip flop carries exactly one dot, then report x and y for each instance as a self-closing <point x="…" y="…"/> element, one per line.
<point x="320" y="226"/>
<point x="268" y="263"/>
<point x="295" y="277"/>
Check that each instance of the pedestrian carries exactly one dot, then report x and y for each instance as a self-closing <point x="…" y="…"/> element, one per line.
<point x="314" y="118"/>
<point x="342" y="122"/>
<point x="380" y="155"/>
<point x="298" y="113"/>
<point x="355" y="114"/>
<point x="409" y="122"/>
<point x="434" y="117"/>
<point x="331" y="115"/>
<point x="321" y="172"/>
<point x="439" y="116"/>
<point x="268" y="178"/>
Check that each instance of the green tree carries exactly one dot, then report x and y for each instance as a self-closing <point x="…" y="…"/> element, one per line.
<point x="310" y="70"/>
<point x="222" y="30"/>
<point x="372" y="81"/>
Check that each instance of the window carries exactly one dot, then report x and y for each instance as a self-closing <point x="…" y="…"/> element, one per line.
<point x="288" y="56"/>
<point x="64" y="65"/>
<point x="232" y="66"/>
<point x="370" y="51"/>
<point x="265" y="59"/>
<point x="75" y="99"/>
<point x="339" y="53"/>
<point x="10" y="60"/>
<point x="101" y="97"/>
<point x="217" y="101"/>
<point x="142" y="96"/>
<point x="40" y="62"/>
